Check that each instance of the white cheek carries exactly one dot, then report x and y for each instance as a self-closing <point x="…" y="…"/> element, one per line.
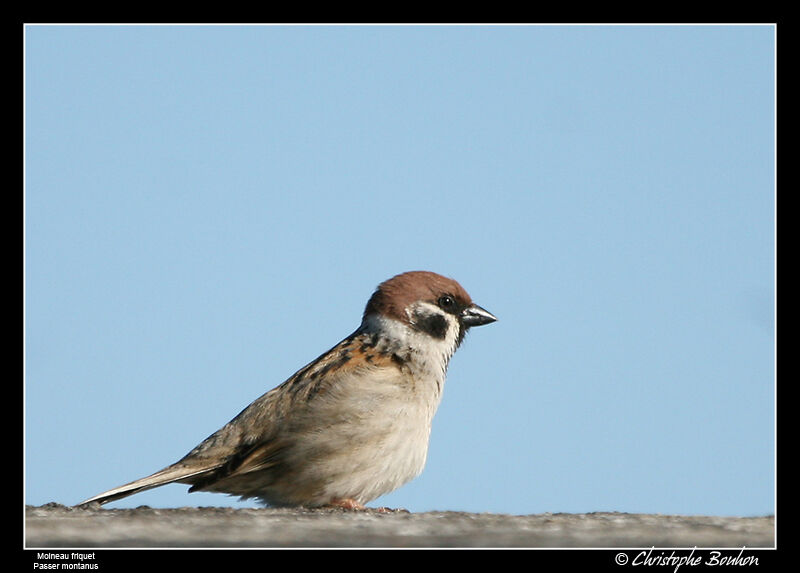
<point x="430" y="355"/>
<point x="445" y="346"/>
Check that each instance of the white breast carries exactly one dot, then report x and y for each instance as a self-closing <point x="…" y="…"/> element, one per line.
<point x="380" y="422"/>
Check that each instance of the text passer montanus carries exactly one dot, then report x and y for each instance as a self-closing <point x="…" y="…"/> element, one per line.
<point x="350" y="426"/>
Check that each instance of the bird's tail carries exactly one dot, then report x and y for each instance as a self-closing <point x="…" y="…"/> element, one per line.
<point x="170" y="474"/>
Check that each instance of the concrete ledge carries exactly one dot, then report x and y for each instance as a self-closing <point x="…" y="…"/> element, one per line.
<point x="57" y="526"/>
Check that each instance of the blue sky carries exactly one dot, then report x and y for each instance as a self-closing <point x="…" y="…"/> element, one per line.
<point x="208" y="208"/>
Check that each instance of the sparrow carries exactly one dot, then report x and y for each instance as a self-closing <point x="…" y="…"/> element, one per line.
<point x="348" y="427"/>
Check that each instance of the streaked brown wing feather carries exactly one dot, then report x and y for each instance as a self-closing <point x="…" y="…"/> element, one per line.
<point x="253" y="440"/>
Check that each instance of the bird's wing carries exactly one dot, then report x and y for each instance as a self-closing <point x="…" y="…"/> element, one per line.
<point x="357" y="354"/>
<point x="253" y="440"/>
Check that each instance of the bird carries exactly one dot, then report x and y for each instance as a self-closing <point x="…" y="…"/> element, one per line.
<point x="348" y="427"/>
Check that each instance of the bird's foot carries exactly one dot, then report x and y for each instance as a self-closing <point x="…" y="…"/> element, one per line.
<point x="346" y="503"/>
<point x="352" y="505"/>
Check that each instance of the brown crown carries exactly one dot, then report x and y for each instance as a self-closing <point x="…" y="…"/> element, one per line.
<point x="393" y="296"/>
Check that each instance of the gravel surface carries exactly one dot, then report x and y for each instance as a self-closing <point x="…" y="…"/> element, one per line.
<point x="58" y="526"/>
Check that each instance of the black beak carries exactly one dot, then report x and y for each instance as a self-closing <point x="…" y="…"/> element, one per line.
<point x="476" y="316"/>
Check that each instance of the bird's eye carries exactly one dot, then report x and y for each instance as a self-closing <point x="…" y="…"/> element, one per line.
<point x="446" y="302"/>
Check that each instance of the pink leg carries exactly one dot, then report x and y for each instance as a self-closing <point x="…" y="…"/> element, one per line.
<point x="346" y="503"/>
<point x="353" y="505"/>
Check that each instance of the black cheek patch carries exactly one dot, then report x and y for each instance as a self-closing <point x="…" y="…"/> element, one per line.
<point x="433" y="324"/>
